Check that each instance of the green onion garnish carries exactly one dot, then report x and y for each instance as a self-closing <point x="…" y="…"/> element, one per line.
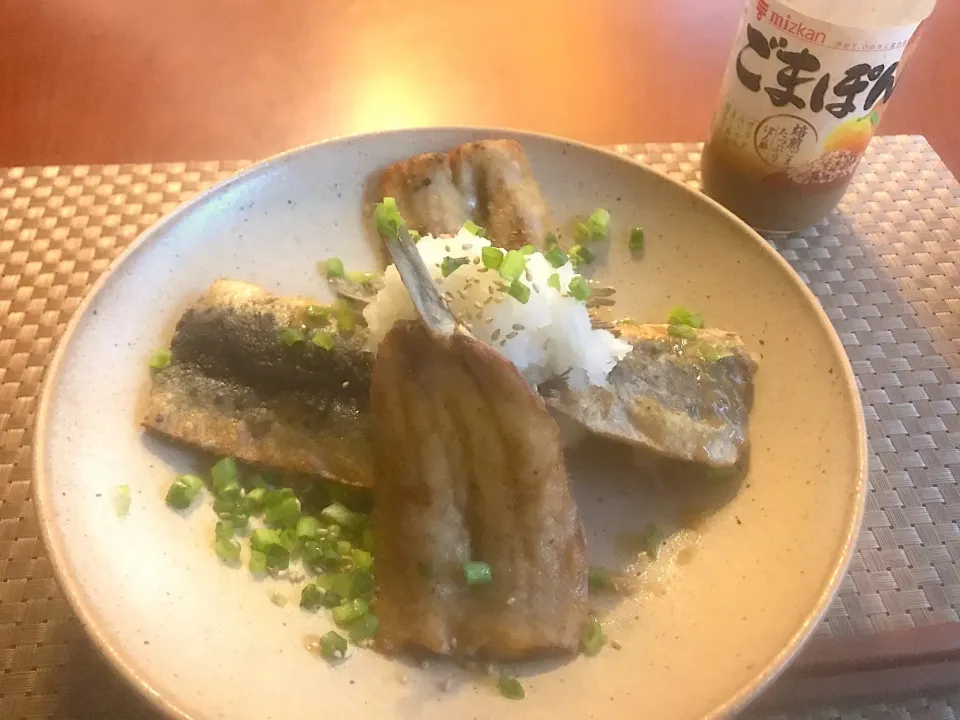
<point x="258" y="561"/>
<point x="682" y="316"/>
<point x="578" y="288"/>
<point x="449" y="264"/>
<point x="307" y="527"/>
<point x="320" y="313"/>
<point x="333" y="646"/>
<point x="227" y="549"/>
<point x="519" y="292"/>
<point x="528" y="249"/>
<point x="184" y="491"/>
<point x="637" y="239"/>
<point x="554" y="281"/>
<point x="709" y="352"/>
<point x="254" y="499"/>
<point x="366" y="540"/>
<point x="492" y="257"/>
<point x="121" y="501"/>
<point x="346" y="320"/>
<point x="341" y="515"/>
<point x="311" y="597"/>
<point x="415" y="236"/>
<point x="598" y="225"/>
<point x="160" y="359"/>
<point x="223" y="529"/>
<point x="226" y="479"/>
<point x="359" y="276"/>
<point x="682" y="331"/>
<point x="580" y="255"/>
<point x="322" y="339"/>
<point x="285" y="514"/>
<point x="652" y="541"/>
<point x="334" y="268"/>
<point x="581" y="233"/>
<point x="350" y="610"/>
<point x="471" y="227"/>
<point x="364" y="627"/>
<point x="291" y="336"/>
<point x="388" y="218"/>
<point x="551" y="240"/>
<point x="362" y="560"/>
<point x="510" y="687"/>
<point x="557" y="257"/>
<point x="477" y="573"/>
<point x="512" y="266"/>
<point x="592" y="638"/>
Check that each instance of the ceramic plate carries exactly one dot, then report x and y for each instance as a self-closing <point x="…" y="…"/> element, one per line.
<point x="708" y="630"/>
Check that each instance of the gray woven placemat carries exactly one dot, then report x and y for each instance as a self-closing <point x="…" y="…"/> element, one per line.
<point x="884" y="265"/>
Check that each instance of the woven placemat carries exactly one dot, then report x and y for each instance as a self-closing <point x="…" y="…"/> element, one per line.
<point x="885" y="266"/>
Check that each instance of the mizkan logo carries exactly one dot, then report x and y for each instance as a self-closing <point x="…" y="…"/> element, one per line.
<point x="762" y="8"/>
<point x="794" y="27"/>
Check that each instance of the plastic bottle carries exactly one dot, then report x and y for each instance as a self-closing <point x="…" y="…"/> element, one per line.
<point x="805" y="88"/>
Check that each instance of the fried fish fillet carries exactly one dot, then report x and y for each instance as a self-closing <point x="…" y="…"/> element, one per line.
<point x="234" y="387"/>
<point x="686" y="399"/>
<point x="489" y="182"/>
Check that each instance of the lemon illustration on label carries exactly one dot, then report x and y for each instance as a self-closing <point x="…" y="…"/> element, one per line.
<point x="853" y="135"/>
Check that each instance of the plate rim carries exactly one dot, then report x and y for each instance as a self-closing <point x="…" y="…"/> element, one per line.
<point x="41" y="489"/>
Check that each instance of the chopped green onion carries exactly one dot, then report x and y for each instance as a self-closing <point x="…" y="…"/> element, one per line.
<point x="322" y="339"/>
<point x="319" y="313"/>
<point x="557" y="257"/>
<point x="492" y="257"/>
<point x="269" y="542"/>
<point x="364" y="627"/>
<point x="366" y="540"/>
<point x="599" y="224"/>
<point x="519" y="292"/>
<point x="307" y="526"/>
<point x="291" y="336"/>
<point x="578" y="288"/>
<point x="223" y="529"/>
<point x="346" y="320"/>
<point x="254" y="499"/>
<point x="598" y="578"/>
<point x="362" y="559"/>
<point x="227" y="549"/>
<point x="334" y="268"/>
<point x="311" y="597"/>
<point x="682" y="331"/>
<point x="263" y="539"/>
<point x="449" y="264"/>
<point x="581" y="233"/>
<point x="528" y="249"/>
<point x="415" y="236"/>
<point x="275" y="496"/>
<point x="333" y="646"/>
<point x="554" y="281"/>
<point x="341" y="515"/>
<point x="682" y="316"/>
<point x="592" y="638"/>
<point x="350" y="610"/>
<point x="321" y="557"/>
<point x="225" y="476"/>
<point x="471" y="227"/>
<point x="388" y="218"/>
<point x="121" y="501"/>
<point x="160" y="359"/>
<point x="709" y="352"/>
<point x="551" y="240"/>
<point x="652" y="541"/>
<point x="510" y="688"/>
<point x="331" y="600"/>
<point x="580" y="255"/>
<point x="359" y="276"/>
<point x="258" y="561"/>
<point x="184" y="491"/>
<point x="512" y="266"/>
<point x="477" y="573"/>
<point x="637" y="239"/>
<point x="285" y="514"/>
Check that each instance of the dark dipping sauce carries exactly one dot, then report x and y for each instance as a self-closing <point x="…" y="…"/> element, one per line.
<point x="780" y="202"/>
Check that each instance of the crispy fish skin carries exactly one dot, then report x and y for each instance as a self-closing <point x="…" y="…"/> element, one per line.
<point x="235" y="388"/>
<point x="470" y="468"/>
<point x="666" y="398"/>
<point x="489" y="182"/>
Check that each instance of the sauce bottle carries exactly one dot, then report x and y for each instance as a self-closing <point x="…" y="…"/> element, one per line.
<point x="805" y="88"/>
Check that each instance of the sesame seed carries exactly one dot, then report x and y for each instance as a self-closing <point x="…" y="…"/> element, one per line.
<point x="425" y="665"/>
<point x="483" y="269"/>
<point x="476" y="261"/>
<point x="402" y="678"/>
<point x="490" y="289"/>
<point x="467" y="246"/>
<point x="536" y="288"/>
<point x="512" y="335"/>
<point x="496" y="335"/>
<point x="462" y="294"/>
<point x="615" y="644"/>
<point x="511" y="600"/>
<point x="346" y="384"/>
<point x="518" y="326"/>
<point x="447" y="248"/>
<point x="489" y="320"/>
<point x="502" y="343"/>
<point x="478" y="305"/>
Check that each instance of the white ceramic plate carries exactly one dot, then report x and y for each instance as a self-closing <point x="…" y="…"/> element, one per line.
<point x="202" y="640"/>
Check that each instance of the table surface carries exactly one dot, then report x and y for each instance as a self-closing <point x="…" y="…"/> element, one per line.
<point x="102" y="81"/>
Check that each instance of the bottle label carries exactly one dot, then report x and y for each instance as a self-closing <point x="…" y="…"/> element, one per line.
<point x="802" y="97"/>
